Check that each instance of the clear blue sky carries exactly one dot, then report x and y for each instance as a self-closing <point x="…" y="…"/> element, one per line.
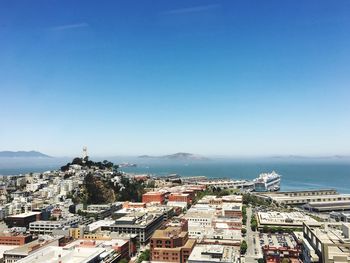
<point x="153" y="77"/>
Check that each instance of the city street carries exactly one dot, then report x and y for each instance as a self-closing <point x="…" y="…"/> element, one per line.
<point x="254" y="250"/>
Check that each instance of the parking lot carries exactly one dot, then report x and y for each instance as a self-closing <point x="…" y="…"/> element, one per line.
<point x="276" y="240"/>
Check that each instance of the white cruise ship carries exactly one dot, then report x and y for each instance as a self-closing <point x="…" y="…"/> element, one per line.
<point x="267" y="182"/>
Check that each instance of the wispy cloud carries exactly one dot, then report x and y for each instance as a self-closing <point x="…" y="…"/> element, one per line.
<point x="69" y="27"/>
<point x="194" y="9"/>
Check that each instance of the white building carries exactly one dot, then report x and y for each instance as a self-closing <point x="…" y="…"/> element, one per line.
<point x="58" y="254"/>
<point x="46" y="227"/>
<point x="213" y="253"/>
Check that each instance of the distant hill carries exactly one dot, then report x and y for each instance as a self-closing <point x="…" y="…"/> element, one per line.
<point x="146" y="156"/>
<point x="23" y="154"/>
<point x="177" y="156"/>
<point x="301" y="157"/>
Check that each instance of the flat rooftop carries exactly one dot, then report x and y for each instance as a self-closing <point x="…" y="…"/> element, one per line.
<point x="336" y="246"/>
<point x="59" y="254"/>
<point x="283" y="218"/>
<point x="4" y="248"/>
<point x="25" y="214"/>
<point x="154" y="193"/>
<point x="96" y="243"/>
<point x="199" y="214"/>
<point x="180" y="194"/>
<point x="170" y="232"/>
<point x="100" y="223"/>
<point x="305" y="197"/>
<point x="330" y="205"/>
<point x="299" y="191"/>
<point x="212" y="253"/>
<point x="31" y="246"/>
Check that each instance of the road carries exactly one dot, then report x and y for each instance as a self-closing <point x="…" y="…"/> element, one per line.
<point x="251" y="256"/>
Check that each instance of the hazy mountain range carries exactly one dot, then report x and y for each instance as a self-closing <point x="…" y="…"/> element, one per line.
<point x="22" y="154"/>
<point x="177" y="156"/>
<point x="310" y="157"/>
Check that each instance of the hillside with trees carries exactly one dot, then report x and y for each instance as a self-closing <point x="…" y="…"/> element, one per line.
<point x="99" y="189"/>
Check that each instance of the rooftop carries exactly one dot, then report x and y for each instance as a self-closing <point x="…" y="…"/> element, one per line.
<point x="98" y="224"/>
<point x="59" y="254"/>
<point x="212" y="253"/>
<point x="154" y="193"/>
<point x="283" y="218"/>
<point x="97" y="243"/>
<point x="25" y="214"/>
<point x="31" y="246"/>
<point x="170" y="232"/>
<point x="4" y="248"/>
<point x="338" y="245"/>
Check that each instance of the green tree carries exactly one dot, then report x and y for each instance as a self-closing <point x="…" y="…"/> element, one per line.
<point x="261" y="260"/>
<point x="253" y="223"/>
<point x="243" y="247"/>
<point x="131" y="190"/>
<point x="145" y="256"/>
<point x="123" y="261"/>
<point x="265" y="229"/>
<point x="151" y="184"/>
<point x="244" y="215"/>
<point x="243" y="231"/>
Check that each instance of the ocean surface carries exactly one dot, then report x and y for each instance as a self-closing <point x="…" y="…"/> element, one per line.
<point x="296" y="174"/>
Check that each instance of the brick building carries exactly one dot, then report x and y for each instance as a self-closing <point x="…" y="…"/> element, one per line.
<point x="277" y="254"/>
<point x="15" y="240"/>
<point x="171" y="245"/>
<point x="153" y="197"/>
<point x="191" y="193"/>
<point x="128" y="204"/>
<point x="232" y="210"/>
<point x="180" y="197"/>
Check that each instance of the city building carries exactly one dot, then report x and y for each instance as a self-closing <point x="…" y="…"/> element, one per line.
<point x="153" y="197"/>
<point x="305" y="197"/>
<point x="20" y="252"/>
<point x="76" y="232"/>
<point x="285" y="219"/>
<point x="326" y="244"/>
<point x="180" y="197"/>
<point x="213" y="253"/>
<point x="108" y="236"/>
<point x="102" y="211"/>
<point x="15" y="239"/>
<point x="142" y="223"/>
<point x="4" y="248"/>
<point x="46" y="227"/>
<point x="232" y="210"/>
<point x="97" y="225"/>
<point x="55" y="254"/>
<point x="277" y="254"/>
<point x="171" y="245"/>
<point x="199" y="218"/>
<point x="328" y="206"/>
<point x="226" y="184"/>
<point x="120" y="246"/>
<point x="22" y="220"/>
<point x="129" y="205"/>
<point x="340" y="216"/>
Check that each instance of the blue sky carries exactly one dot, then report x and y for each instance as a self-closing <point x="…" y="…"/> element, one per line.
<point x="241" y="78"/>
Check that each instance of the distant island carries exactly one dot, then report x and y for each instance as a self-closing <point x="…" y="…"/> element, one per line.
<point x="177" y="156"/>
<point x="22" y="154"/>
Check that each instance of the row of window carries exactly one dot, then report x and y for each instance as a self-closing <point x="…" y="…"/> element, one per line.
<point x="317" y="200"/>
